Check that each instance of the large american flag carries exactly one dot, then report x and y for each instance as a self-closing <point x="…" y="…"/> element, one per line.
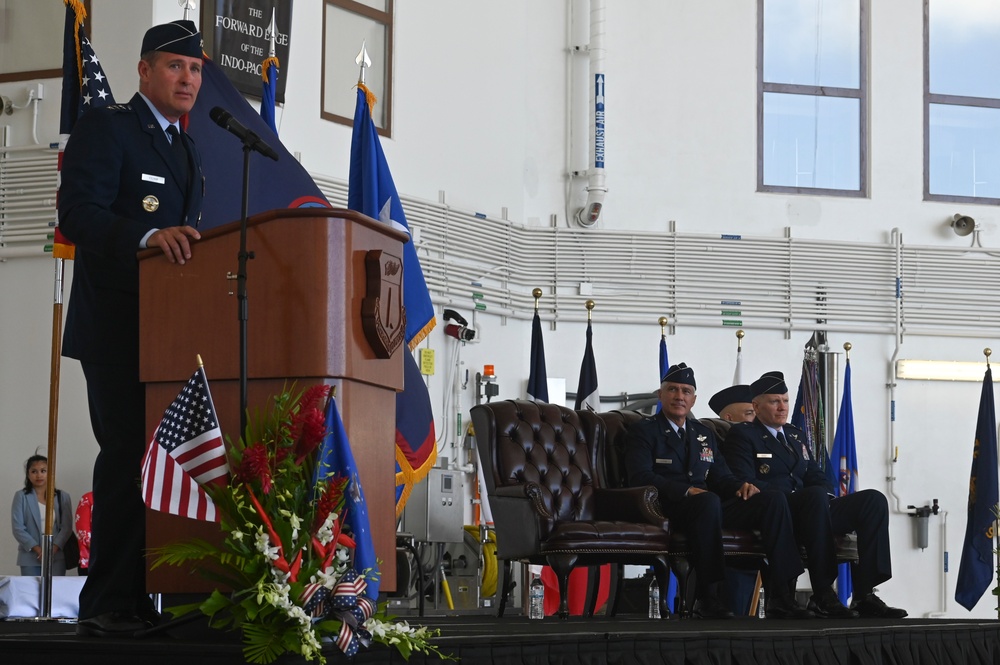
<point x="84" y="87"/>
<point x="185" y="453"/>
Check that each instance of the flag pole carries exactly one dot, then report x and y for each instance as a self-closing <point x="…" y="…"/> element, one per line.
<point x="738" y="372"/>
<point x="996" y="534"/>
<point x="45" y="591"/>
<point x="362" y="61"/>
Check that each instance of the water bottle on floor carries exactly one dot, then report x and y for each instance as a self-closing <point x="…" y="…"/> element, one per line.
<point x="536" y="599"/>
<point x="654" y="600"/>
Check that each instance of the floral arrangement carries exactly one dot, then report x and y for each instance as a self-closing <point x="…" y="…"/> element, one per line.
<point x="286" y="553"/>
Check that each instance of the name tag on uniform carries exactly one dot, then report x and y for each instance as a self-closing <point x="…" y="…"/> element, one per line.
<point x="763" y="455"/>
<point x="159" y="180"/>
<point x="664" y="461"/>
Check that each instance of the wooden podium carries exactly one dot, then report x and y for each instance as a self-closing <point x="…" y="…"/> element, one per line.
<point x="306" y="285"/>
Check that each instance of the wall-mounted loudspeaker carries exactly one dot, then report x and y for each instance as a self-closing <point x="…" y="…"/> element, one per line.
<point x="963" y="225"/>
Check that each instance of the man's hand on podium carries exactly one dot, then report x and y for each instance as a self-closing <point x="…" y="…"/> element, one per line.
<point x="174" y="242"/>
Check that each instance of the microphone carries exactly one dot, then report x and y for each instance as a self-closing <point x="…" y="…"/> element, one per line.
<point x="225" y="119"/>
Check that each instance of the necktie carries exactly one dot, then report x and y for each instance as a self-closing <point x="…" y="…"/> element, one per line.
<point x="180" y="153"/>
<point x="780" y="436"/>
<point x="687" y="453"/>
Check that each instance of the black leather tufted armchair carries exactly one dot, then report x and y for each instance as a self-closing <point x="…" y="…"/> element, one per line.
<point x="549" y="504"/>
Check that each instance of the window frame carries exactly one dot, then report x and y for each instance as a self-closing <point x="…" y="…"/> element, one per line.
<point x="57" y="73"/>
<point x="387" y="19"/>
<point x="945" y="100"/>
<point x="861" y="94"/>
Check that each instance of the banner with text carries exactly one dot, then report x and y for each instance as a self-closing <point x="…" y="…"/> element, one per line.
<point x="238" y="38"/>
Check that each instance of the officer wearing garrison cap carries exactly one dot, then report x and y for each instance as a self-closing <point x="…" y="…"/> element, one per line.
<point x="773" y="454"/>
<point x="131" y="180"/>
<point x="680" y="457"/>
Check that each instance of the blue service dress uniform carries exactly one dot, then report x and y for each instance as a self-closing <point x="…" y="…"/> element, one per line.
<point x="755" y="454"/>
<point x="120" y="180"/>
<point x="656" y="455"/>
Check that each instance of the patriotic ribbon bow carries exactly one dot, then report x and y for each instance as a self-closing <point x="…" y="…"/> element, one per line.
<point x="345" y="603"/>
<point x="353" y="609"/>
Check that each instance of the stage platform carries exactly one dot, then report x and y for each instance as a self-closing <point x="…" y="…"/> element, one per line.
<point x="515" y="640"/>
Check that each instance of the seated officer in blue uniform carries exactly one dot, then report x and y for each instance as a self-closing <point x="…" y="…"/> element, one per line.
<point x="774" y="455"/>
<point x="131" y="179"/>
<point x="680" y="457"/>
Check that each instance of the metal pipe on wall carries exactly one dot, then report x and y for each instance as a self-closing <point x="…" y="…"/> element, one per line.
<point x="596" y="187"/>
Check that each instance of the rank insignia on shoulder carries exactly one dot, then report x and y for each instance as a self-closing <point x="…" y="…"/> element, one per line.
<point x="119" y="107"/>
<point x="150" y="203"/>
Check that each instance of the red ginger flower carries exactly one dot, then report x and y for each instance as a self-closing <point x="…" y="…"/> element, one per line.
<point x="256" y="466"/>
<point x="309" y="423"/>
<point x="314" y="397"/>
<point x="330" y="499"/>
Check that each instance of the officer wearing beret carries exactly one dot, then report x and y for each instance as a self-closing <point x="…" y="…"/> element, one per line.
<point x="680" y="457"/>
<point x="732" y="404"/>
<point x="775" y="455"/>
<point x="131" y="179"/>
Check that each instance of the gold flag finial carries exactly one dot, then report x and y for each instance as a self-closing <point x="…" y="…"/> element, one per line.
<point x="847" y="350"/>
<point x="590" y="308"/>
<point x="536" y="293"/>
<point x="663" y="324"/>
<point x="987" y="352"/>
<point x="198" y="358"/>
<point x="739" y="339"/>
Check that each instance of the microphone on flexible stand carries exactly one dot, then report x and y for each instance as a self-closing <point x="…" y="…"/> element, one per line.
<point x="251" y="141"/>
<point x="225" y="119"/>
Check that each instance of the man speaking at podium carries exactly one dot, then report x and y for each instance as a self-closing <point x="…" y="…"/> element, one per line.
<point x="131" y="180"/>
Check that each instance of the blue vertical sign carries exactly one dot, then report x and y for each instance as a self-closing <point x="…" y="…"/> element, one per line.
<point x="599" y="121"/>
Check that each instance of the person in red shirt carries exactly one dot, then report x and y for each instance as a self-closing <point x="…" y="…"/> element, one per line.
<point x="82" y="529"/>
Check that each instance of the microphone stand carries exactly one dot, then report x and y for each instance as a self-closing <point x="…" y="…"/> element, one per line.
<point x="241" y="287"/>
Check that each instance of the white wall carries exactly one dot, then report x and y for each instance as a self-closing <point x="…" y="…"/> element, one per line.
<point x="480" y="113"/>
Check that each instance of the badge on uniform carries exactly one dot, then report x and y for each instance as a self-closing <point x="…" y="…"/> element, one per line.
<point x="764" y="456"/>
<point x="664" y="461"/>
<point x="701" y="438"/>
<point x="707" y="454"/>
<point x="158" y="179"/>
<point x="150" y="203"/>
<point x="763" y="469"/>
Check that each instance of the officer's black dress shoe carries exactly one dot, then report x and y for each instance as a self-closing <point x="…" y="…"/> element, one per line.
<point x="785" y="607"/>
<point x="827" y="605"/>
<point x="111" y="624"/>
<point x="149" y="616"/>
<point x="710" y="607"/>
<point x="872" y="607"/>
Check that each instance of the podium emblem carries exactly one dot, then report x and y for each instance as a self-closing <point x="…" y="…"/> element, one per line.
<point x="383" y="316"/>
